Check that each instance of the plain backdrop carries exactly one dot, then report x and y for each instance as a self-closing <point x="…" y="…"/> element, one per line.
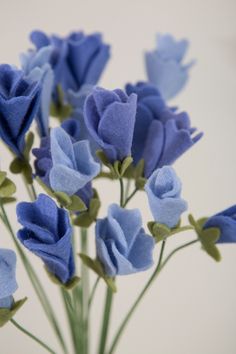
<point x="192" y="306"/>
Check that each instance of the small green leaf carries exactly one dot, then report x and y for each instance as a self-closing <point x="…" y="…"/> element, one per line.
<point x="62" y="198"/>
<point x="102" y="156"/>
<point x="17" y="165"/>
<point x="28" y="145"/>
<point x="140" y="183"/>
<point x="96" y="266"/>
<point x="68" y="286"/>
<point x="77" y="204"/>
<point x="7" y="188"/>
<point x="139" y="169"/>
<point x="45" y="188"/>
<point x="7" y="314"/>
<point x="8" y="200"/>
<point x="3" y="176"/>
<point x="125" y="165"/>
<point x="117" y="168"/>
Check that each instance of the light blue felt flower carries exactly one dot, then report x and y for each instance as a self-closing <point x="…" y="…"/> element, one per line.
<point x="163" y="189"/>
<point x="37" y="68"/>
<point x="122" y="245"/>
<point x="8" y="283"/>
<point x="165" y="66"/>
<point x="73" y="165"/>
<point x="226" y="222"/>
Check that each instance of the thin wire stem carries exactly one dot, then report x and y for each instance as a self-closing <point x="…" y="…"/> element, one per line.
<point x="121" y="192"/>
<point x="93" y="292"/>
<point x="130" y="197"/>
<point x="32" y="336"/>
<point x="106" y="321"/>
<point x="85" y="292"/>
<point x="156" y="272"/>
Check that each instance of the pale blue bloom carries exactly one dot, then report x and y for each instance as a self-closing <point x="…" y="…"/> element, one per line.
<point x="8" y="283"/>
<point x="122" y="245"/>
<point x="163" y="189"/>
<point x="165" y="67"/>
<point x="73" y="165"/>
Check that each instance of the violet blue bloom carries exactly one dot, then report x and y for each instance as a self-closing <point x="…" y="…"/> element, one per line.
<point x="47" y="233"/>
<point x="36" y="67"/>
<point x="73" y="165"/>
<point x="77" y="59"/>
<point x="164" y="65"/>
<point x="8" y="283"/>
<point x="19" y="103"/>
<point x="122" y="245"/>
<point x="226" y="222"/>
<point x="110" y="118"/>
<point x="163" y="190"/>
<point x="161" y="135"/>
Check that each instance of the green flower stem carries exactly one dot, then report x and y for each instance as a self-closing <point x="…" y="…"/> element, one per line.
<point x="121" y="191"/>
<point x="106" y="321"/>
<point x="45" y="346"/>
<point x="93" y="292"/>
<point x="127" y="188"/>
<point x="130" y="197"/>
<point x="35" y="282"/>
<point x="85" y="292"/>
<point x="156" y="272"/>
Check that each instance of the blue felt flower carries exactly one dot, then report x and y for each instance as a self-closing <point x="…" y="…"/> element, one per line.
<point x="165" y="67"/>
<point x="110" y="118"/>
<point x="163" y="189"/>
<point x="36" y="67"/>
<point x="73" y="165"/>
<point x="161" y="135"/>
<point x="19" y="102"/>
<point x="47" y="233"/>
<point x="122" y="245"/>
<point x="226" y="222"/>
<point x="77" y="59"/>
<point x="8" y="283"/>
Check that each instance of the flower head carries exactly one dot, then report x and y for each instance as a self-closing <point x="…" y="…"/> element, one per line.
<point x="226" y="222"/>
<point x="47" y="233"/>
<point x="110" y="118"/>
<point x="19" y="102"/>
<point x="73" y="165"/>
<point x="77" y="59"/>
<point x="164" y="65"/>
<point x="163" y="189"/>
<point x="36" y="67"/>
<point x="122" y="245"/>
<point x="8" y="283"/>
<point x="161" y="135"/>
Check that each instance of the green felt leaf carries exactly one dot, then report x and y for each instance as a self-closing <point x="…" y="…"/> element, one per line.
<point x="8" y="200"/>
<point x="102" y="156"/>
<point x="76" y="204"/>
<point x="63" y="198"/>
<point x="3" y="176"/>
<point x="27" y="171"/>
<point x="83" y="220"/>
<point x="45" y="188"/>
<point x="17" y="165"/>
<point x="68" y="286"/>
<point x="28" y="145"/>
<point x="125" y="165"/>
<point x="201" y="222"/>
<point x="139" y="169"/>
<point x="86" y="218"/>
<point x="7" y="314"/>
<point x="140" y="183"/>
<point x="96" y="266"/>
<point x="210" y="235"/>
<point x="158" y="231"/>
<point x="7" y="188"/>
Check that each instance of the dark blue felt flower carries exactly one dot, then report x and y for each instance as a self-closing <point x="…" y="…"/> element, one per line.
<point x="77" y="59"/>
<point x="163" y="189"/>
<point x="73" y="165"/>
<point x="8" y="283"/>
<point x="161" y="134"/>
<point x="226" y="222"/>
<point x="122" y="245"/>
<point x="19" y="103"/>
<point x="47" y="233"/>
<point x="164" y="65"/>
<point x="110" y="118"/>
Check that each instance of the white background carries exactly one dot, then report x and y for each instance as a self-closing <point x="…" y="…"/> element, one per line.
<point x="191" y="308"/>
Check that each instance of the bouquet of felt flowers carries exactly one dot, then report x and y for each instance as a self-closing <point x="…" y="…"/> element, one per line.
<point x="130" y="136"/>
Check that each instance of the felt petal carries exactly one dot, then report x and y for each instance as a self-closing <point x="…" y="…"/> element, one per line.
<point x="8" y="283"/>
<point x="141" y="253"/>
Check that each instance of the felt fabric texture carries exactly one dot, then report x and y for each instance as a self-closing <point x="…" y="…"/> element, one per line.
<point x="77" y="59"/>
<point x="226" y="222"/>
<point x="77" y="101"/>
<point x="73" y="165"/>
<point x="47" y="233"/>
<point x="8" y="284"/>
<point x="122" y="245"/>
<point x="165" y="67"/>
<point x="163" y="190"/>
<point x="19" y="103"/>
<point x="161" y="134"/>
<point x="110" y="118"/>
<point x="36" y="67"/>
